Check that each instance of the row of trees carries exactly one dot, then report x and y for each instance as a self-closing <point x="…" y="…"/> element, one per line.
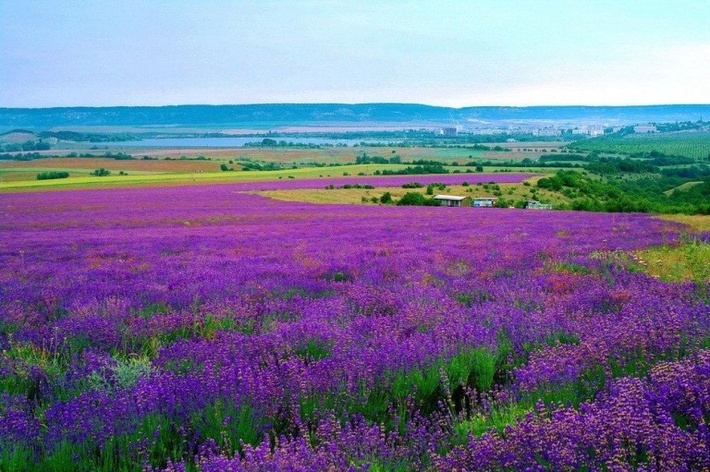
<point x="52" y="175"/>
<point x="26" y="146"/>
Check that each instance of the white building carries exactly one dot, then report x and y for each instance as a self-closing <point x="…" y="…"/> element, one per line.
<point x="645" y="129"/>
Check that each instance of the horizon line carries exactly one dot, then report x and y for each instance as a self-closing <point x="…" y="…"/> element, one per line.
<point x="353" y="104"/>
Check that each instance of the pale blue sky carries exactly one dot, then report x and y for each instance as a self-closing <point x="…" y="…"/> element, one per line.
<point x="452" y="53"/>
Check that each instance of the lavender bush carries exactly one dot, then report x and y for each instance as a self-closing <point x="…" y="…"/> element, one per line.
<point x="200" y="327"/>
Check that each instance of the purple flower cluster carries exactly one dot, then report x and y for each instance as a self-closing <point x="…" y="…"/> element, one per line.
<point x="633" y="425"/>
<point x="243" y="333"/>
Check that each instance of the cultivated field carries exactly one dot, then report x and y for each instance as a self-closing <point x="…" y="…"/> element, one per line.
<point x="689" y="144"/>
<point x="205" y="327"/>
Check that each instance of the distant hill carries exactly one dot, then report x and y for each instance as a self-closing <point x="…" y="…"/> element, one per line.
<point x="264" y="114"/>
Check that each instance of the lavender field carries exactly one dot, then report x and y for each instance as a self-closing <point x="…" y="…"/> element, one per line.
<point x="199" y="327"/>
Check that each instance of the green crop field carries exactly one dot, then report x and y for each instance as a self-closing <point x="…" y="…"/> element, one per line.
<point x="695" y="144"/>
<point x="18" y="178"/>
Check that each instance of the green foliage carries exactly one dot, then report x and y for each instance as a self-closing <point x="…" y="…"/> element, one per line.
<point x="338" y="276"/>
<point x="101" y="172"/>
<point x="159" y="437"/>
<point x="497" y="418"/>
<point x="314" y="350"/>
<point x="428" y="385"/>
<point x="52" y="175"/>
<point x="249" y="165"/>
<point x="29" y="145"/>
<point x="355" y="186"/>
<point x="616" y="166"/>
<point x="434" y="168"/>
<point x="126" y="372"/>
<point x="695" y="145"/>
<point x="629" y="195"/>
<point x="386" y="198"/>
<point x="567" y="157"/>
<point x="416" y="199"/>
<point x="120" y="156"/>
<point x="90" y="137"/>
<point x="16" y="458"/>
<point x="365" y="159"/>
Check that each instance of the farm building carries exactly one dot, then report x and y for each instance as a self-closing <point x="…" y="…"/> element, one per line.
<point x="453" y="200"/>
<point x="645" y="129"/>
<point x="535" y="205"/>
<point x="480" y="202"/>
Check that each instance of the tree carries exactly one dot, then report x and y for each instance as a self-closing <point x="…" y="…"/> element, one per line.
<point x="412" y="198"/>
<point x="386" y="198"/>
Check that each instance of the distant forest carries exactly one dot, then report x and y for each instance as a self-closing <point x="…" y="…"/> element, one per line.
<point x="202" y="115"/>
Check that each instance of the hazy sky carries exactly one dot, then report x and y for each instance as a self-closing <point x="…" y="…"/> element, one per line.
<point x="452" y="53"/>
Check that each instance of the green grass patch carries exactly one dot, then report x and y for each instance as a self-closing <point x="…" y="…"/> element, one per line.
<point x="498" y="418"/>
<point x="689" y="261"/>
<point x="682" y="188"/>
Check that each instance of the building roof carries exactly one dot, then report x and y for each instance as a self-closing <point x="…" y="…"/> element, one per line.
<point x="449" y="197"/>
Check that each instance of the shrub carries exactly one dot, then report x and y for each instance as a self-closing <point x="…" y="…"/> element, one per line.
<point x="416" y="199"/>
<point x="52" y="175"/>
<point x="386" y="198"/>
<point x="101" y="172"/>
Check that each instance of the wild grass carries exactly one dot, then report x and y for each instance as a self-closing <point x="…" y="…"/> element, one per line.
<point x="509" y="192"/>
<point x="689" y="261"/>
<point x="695" y="222"/>
<point x="497" y="419"/>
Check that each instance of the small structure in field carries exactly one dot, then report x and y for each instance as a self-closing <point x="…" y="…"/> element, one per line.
<point x="484" y="202"/>
<point x="535" y="205"/>
<point x="453" y="200"/>
<point x="649" y="128"/>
